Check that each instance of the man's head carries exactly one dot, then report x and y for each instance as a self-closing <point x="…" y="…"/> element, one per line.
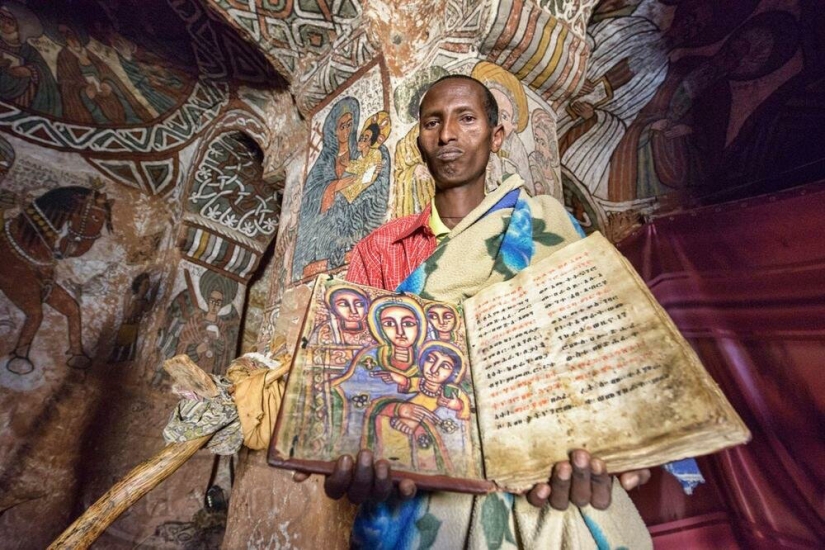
<point x="458" y="130"/>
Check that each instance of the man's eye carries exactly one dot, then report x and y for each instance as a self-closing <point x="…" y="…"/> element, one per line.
<point x="430" y="124"/>
<point x="468" y="118"/>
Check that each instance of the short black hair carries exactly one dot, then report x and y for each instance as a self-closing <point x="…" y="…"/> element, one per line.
<point x="490" y="105"/>
<point x="376" y="132"/>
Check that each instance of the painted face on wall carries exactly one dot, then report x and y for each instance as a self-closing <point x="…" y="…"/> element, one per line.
<point x="364" y="141"/>
<point x="8" y="24"/>
<point x="455" y="138"/>
<point x="400" y="326"/>
<point x="351" y="308"/>
<point x="215" y="302"/>
<point x="438" y="366"/>
<point x="342" y="130"/>
<point x="506" y="113"/>
<point x="441" y="318"/>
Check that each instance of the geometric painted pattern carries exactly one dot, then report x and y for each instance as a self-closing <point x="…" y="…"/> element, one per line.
<point x="331" y="72"/>
<point x="217" y="252"/>
<point x="173" y="132"/>
<point x="288" y="31"/>
<point x="153" y="177"/>
<point x="542" y="45"/>
<point x="228" y="188"/>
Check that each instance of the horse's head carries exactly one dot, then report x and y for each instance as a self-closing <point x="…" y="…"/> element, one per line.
<point x="85" y="223"/>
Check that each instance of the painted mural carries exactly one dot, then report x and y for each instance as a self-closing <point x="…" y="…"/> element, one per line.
<point x="678" y="97"/>
<point x="136" y="305"/>
<point x="107" y="110"/>
<point x="203" y="320"/>
<point x="62" y="223"/>
<point x="346" y="190"/>
<point x="229" y="189"/>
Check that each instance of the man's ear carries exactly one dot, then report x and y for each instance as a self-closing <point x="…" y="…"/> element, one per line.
<point x="420" y="149"/>
<point x="497" y="138"/>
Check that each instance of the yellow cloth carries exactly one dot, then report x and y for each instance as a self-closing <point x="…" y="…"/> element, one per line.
<point x="436" y="225"/>
<point x="258" y="390"/>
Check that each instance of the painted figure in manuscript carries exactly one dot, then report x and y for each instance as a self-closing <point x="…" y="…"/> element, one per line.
<point x="394" y="425"/>
<point x="347" y="324"/>
<point x="443" y="320"/>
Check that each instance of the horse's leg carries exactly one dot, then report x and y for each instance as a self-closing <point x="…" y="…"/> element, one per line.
<point x="27" y="298"/>
<point x="63" y="302"/>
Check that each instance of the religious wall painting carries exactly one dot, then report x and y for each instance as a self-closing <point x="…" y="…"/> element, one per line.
<point x="670" y="90"/>
<point x="203" y="320"/>
<point x="513" y="115"/>
<point x="677" y="141"/>
<point x="346" y="190"/>
<point x="137" y="303"/>
<point x="582" y="205"/>
<point x="228" y="187"/>
<point x="62" y="223"/>
<point x="128" y="98"/>
<point x="544" y="158"/>
<point x="54" y="67"/>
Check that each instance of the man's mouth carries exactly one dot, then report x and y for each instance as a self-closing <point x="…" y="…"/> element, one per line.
<point x="449" y="153"/>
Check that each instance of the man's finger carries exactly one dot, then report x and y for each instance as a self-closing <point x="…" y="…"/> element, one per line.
<point x="600" y="482"/>
<point x="636" y="478"/>
<point x="382" y="485"/>
<point x="336" y="485"/>
<point x="361" y="487"/>
<point x="539" y="494"/>
<point x="560" y="485"/>
<point x="406" y="489"/>
<point x="580" y="489"/>
<point x="299" y="477"/>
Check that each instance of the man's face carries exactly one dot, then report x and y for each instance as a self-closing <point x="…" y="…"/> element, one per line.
<point x="455" y="138"/>
<point x="438" y="367"/>
<point x="400" y="326"/>
<point x="350" y="307"/>
<point x="441" y="318"/>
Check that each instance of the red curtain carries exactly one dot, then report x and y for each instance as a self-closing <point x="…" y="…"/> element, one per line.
<point x="745" y="283"/>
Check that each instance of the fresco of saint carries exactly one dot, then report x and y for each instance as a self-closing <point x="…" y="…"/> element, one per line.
<point x="512" y="115"/>
<point x="328" y="230"/>
<point x="25" y="77"/>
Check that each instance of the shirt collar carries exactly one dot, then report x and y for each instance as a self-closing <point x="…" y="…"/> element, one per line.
<point x="417" y="223"/>
<point x="437" y="226"/>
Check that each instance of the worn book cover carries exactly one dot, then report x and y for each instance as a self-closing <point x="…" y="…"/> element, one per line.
<point x="573" y="352"/>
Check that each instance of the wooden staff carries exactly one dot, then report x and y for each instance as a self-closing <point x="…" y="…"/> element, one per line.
<point x="88" y="527"/>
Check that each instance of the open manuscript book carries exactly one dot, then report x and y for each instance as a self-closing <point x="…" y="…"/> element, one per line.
<point x="573" y="352"/>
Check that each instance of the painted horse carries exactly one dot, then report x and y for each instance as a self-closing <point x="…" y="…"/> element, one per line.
<point x="62" y="223"/>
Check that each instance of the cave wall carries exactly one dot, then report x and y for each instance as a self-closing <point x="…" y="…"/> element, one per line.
<point x="135" y="211"/>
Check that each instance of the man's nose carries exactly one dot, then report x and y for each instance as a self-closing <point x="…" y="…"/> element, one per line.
<point x="448" y="131"/>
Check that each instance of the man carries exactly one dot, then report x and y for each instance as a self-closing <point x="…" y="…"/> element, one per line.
<point x="461" y="243"/>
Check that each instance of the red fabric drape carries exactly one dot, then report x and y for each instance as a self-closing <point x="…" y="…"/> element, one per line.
<point x="745" y="283"/>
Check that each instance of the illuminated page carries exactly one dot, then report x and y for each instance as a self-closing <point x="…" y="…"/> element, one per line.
<point x="575" y="352"/>
<point x="387" y="372"/>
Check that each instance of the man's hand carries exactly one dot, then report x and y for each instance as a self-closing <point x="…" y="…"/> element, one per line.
<point x="365" y="480"/>
<point x="582" y="480"/>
